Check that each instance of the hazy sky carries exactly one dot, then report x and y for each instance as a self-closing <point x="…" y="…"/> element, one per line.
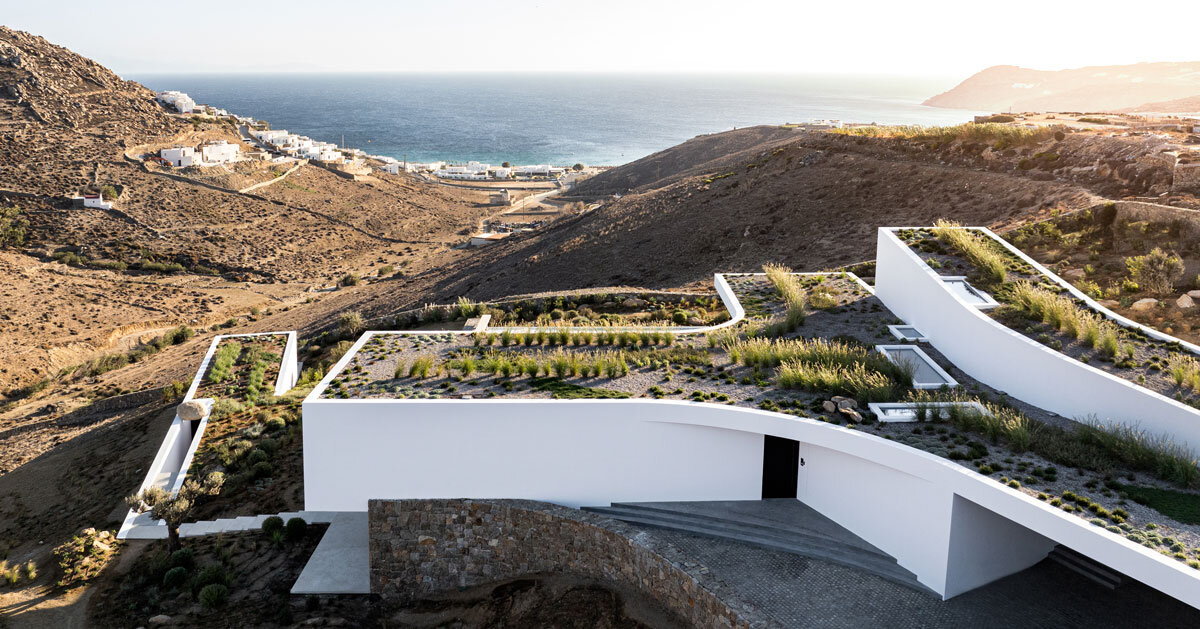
<point x="910" y="37"/>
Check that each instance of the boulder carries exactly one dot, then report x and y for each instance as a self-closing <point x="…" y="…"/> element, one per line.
<point x="159" y="620"/>
<point x="191" y="411"/>
<point x="830" y="407"/>
<point x="1145" y="304"/>
<point x="1075" y="274"/>
<point x="1194" y="294"/>
<point x="634" y="302"/>
<point x="695" y="321"/>
<point x="844" y="402"/>
<point x="1185" y="302"/>
<point x="1109" y="303"/>
<point x="851" y="415"/>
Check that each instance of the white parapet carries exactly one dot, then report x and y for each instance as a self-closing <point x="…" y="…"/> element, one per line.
<point x="1011" y="362"/>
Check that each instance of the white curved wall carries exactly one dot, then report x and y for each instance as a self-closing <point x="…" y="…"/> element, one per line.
<point x="579" y="452"/>
<point x="1012" y="362"/>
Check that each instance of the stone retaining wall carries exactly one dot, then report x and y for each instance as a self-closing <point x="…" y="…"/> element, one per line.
<point x="1144" y="211"/>
<point x="423" y="547"/>
<point x="1187" y="177"/>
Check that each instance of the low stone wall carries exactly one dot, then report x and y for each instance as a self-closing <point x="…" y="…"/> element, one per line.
<point x="423" y="547"/>
<point x="1187" y="177"/>
<point x="1144" y="211"/>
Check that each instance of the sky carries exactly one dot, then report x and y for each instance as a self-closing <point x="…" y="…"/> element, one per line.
<point x="906" y="38"/>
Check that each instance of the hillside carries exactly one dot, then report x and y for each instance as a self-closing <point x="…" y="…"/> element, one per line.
<point x="182" y="247"/>
<point x="1094" y="88"/>
<point x="704" y="153"/>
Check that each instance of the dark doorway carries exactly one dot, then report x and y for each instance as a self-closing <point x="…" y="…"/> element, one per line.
<point x="781" y="464"/>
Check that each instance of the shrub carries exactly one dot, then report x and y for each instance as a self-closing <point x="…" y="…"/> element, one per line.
<point x="350" y="279"/>
<point x="183" y="558"/>
<point x="296" y="528"/>
<point x="175" y="578"/>
<point x="13" y="227"/>
<point x="992" y="265"/>
<point x="1156" y="271"/>
<point x="214" y="595"/>
<point x="272" y="524"/>
<point x="350" y="323"/>
<point x="386" y="270"/>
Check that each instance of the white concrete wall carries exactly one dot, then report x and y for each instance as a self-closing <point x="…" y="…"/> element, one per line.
<point x="571" y="454"/>
<point x="985" y="546"/>
<point x="905" y="515"/>
<point x="577" y="452"/>
<point x="1012" y="362"/>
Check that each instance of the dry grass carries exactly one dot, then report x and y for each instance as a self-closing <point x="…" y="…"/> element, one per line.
<point x="975" y="247"/>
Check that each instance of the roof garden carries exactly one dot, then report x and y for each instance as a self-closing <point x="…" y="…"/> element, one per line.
<point x="1033" y="304"/>
<point x="807" y="347"/>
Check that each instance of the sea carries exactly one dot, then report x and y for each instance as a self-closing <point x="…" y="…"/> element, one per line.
<point x="563" y="119"/>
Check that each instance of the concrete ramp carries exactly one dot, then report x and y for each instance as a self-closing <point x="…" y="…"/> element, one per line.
<point x="341" y="562"/>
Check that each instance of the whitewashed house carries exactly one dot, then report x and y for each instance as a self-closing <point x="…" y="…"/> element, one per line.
<point x="180" y="101"/>
<point x="95" y="200"/>
<point x="180" y="156"/>
<point x="220" y="152"/>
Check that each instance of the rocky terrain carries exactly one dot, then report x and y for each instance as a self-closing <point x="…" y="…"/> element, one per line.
<point x="181" y="247"/>
<point x="1094" y="88"/>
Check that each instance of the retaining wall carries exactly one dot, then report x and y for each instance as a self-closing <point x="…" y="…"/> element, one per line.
<point x="422" y="547"/>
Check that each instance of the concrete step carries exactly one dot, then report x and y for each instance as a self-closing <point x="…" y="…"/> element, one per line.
<point x="798" y="542"/>
<point x="804" y="522"/>
<point x="1087" y="567"/>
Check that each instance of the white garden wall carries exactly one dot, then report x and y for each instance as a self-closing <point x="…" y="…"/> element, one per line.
<point x="1011" y="362"/>
<point x="174" y="456"/>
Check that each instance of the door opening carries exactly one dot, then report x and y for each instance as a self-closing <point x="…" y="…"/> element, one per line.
<point x="781" y="467"/>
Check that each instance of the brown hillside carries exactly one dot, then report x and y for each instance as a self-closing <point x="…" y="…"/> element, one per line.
<point x="1094" y="88"/>
<point x="77" y="287"/>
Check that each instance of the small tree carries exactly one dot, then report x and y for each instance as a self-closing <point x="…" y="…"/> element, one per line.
<point x="12" y="227"/>
<point x="174" y="510"/>
<point x="1156" y="271"/>
<point x="109" y="192"/>
<point x="577" y="167"/>
<point x="506" y="165"/>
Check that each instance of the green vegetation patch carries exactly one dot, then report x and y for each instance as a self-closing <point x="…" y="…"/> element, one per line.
<point x="1177" y="505"/>
<point x="568" y="391"/>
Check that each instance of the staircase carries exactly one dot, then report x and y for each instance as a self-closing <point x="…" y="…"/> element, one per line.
<point x="777" y="524"/>
<point x="1086" y="567"/>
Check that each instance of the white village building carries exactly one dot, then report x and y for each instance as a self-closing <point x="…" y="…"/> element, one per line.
<point x="180" y="156"/>
<point x="180" y="101"/>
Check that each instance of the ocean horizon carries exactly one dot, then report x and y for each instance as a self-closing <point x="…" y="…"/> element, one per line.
<point x="596" y="119"/>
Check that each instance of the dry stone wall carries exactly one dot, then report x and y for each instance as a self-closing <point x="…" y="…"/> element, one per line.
<point x="423" y="547"/>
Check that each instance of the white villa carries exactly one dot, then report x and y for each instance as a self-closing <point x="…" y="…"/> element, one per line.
<point x="179" y="156"/>
<point x="537" y="170"/>
<point x="180" y="101"/>
<point x="299" y="146"/>
<point x="372" y="430"/>
<point x="208" y="154"/>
